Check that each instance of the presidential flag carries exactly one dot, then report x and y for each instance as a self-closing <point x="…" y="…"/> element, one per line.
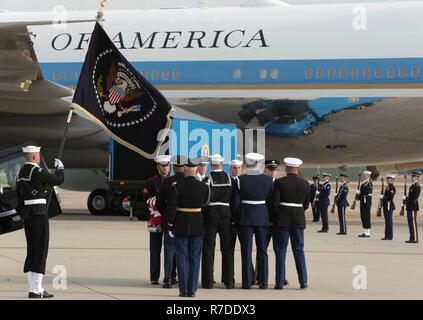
<point x="117" y="97"/>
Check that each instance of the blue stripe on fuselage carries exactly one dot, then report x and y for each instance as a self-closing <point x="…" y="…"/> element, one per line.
<point x="383" y="71"/>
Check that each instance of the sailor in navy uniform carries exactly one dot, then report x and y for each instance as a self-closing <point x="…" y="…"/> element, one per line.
<point x="151" y="189"/>
<point x="365" y="197"/>
<point x="251" y="201"/>
<point x="324" y="201"/>
<point x="186" y="223"/>
<point x="169" y="242"/>
<point x="33" y="186"/>
<point x="342" y="204"/>
<point x="290" y="199"/>
<point x="389" y="207"/>
<point x="202" y="169"/>
<point x="314" y="187"/>
<point x="217" y="218"/>
<point x="412" y="207"/>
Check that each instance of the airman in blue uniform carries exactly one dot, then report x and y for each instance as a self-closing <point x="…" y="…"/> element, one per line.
<point x="412" y="206"/>
<point x="342" y="204"/>
<point x="324" y="201"/>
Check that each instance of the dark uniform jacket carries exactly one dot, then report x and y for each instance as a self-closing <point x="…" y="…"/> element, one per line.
<point x="221" y="187"/>
<point x="187" y="193"/>
<point x="388" y="198"/>
<point x="366" y="190"/>
<point x="293" y="190"/>
<point x="152" y="186"/>
<point x="33" y="187"/>
<point x="253" y="186"/>
<point x="324" y="194"/>
<point x="163" y="195"/>
<point x="412" y="201"/>
<point x="341" y="197"/>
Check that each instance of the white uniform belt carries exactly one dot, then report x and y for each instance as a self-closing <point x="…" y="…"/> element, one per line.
<point x="253" y="202"/>
<point x="289" y="204"/>
<point x="35" y="201"/>
<point x="211" y="204"/>
<point x="7" y="213"/>
<point x="368" y="195"/>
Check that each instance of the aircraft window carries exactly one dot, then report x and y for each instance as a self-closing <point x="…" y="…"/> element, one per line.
<point x="343" y="73"/>
<point x="263" y="74"/>
<point x="354" y="73"/>
<point x="403" y="72"/>
<point x="67" y="76"/>
<point x="378" y="72"/>
<point x="144" y="74"/>
<point x="154" y="75"/>
<point x="274" y="74"/>
<point x="56" y="76"/>
<point x="237" y="74"/>
<point x="367" y="73"/>
<point x="319" y="73"/>
<point x="309" y="73"/>
<point x="176" y="75"/>
<point x="165" y="75"/>
<point x="9" y="169"/>
<point x="390" y="72"/>
<point x="415" y="72"/>
<point x="331" y="73"/>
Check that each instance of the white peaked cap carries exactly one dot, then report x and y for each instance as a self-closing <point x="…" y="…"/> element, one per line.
<point x="236" y="162"/>
<point x="392" y="176"/>
<point x="293" y="162"/>
<point x="216" y="158"/>
<point x="163" y="159"/>
<point x="31" y="149"/>
<point x="252" y="157"/>
<point x="324" y="174"/>
<point x="367" y="172"/>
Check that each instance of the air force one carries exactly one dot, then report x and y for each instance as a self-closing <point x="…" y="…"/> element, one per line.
<point x="336" y="84"/>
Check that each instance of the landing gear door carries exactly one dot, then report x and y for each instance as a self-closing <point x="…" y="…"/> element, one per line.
<point x="11" y="161"/>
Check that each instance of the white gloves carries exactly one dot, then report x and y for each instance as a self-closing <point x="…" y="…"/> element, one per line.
<point x="171" y="234"/>
<point x="382" y="196"/>
<point x="335" y="194"/>
<point x="317" y="192"/>
<point x="58" y="164"/>
<point x="358" y="192"/>
<point x="404" y="197"/>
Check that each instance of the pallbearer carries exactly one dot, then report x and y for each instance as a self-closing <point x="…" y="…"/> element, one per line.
<point x="365" y="197"/>
<point x="412" y="206"/>
<point x="290" y="199"/>
<point x="342" y="204"/>
<point x="314" y="187"/>
<point x="324" y="201"/>
<point x="389" y="206"/>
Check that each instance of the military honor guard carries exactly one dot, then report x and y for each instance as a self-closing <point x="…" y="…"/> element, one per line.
<point x="251" y="201"/>
<point x="34" y="186"/>
<point x="324" y="201"/>
<point x="342" y="204"/>
<point x="217" y="218"/>
<point x="314" y="187"/>
<point x="290" y="199"/>
<point x="388" y="206"/>
<point x="186" y="223"/>
<point x="202" y="169"/>
<point x="412" y="207"/>
<point x="151" y="190"/>
<point x="365" y="197"/>
<point x="236" y="168"/>
<point x="168" y="241"/>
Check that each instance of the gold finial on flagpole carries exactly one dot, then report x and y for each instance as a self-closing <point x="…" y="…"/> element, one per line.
<point x="100" y="13"/>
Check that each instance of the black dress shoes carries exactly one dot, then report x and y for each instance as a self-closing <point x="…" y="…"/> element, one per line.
<point x="44" y="295"/>
<point x="167" y="285"/>
<point x="155" y="283"/>
<point x="263" y="286"/>
<point x="304" y="286"/>
<point x="363" y="236"/>
<point x="230" y="286"/>
<point x="175" y="281"/>
<point x="411" y="241"/>
<point x="191" y="295"/>
<point x="323" y="231"/>
<point x="278" y="287"/>
<point x="183" y="295"/>
<point x="285" y="283"/>
<point x="341" y="234"/>
<point x="246" y="287"/>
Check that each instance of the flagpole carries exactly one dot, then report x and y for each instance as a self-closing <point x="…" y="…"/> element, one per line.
<point x="65" y="133"/>
<point x="100" y="13"/>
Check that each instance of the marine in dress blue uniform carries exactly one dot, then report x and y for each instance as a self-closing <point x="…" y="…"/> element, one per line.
<point x="152" y="188"/>
<point x="342" y="204"/>
<point x="290" y="199"/>
<point x="412" y="207"/>
<point x="324" y="202"/>
<point x="389" y="207"/>
<point x="186" y="223"/>
<point x="315" y="186"/>
<point x="33" y="186"/>
<point x="365" y="197"/>
<point x="252" y="198"/>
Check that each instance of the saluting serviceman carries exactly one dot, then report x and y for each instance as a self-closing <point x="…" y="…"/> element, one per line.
<point x="186" y="224"/>
<point x="252" y="198"/>
<point x="324" y="201"/>
<point x="342" y="204"/>
<point x="365" y="197"/>
<point x="314" y="187"/>
<point x="217" y="218"/>
<point x="290" y="199"/>
<point x="34" y="185"/>
<point x="151" y="189"/>
<point x="162" y="201"/>
<point x="389" y="207"/>
<point x="412" y="206"/>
